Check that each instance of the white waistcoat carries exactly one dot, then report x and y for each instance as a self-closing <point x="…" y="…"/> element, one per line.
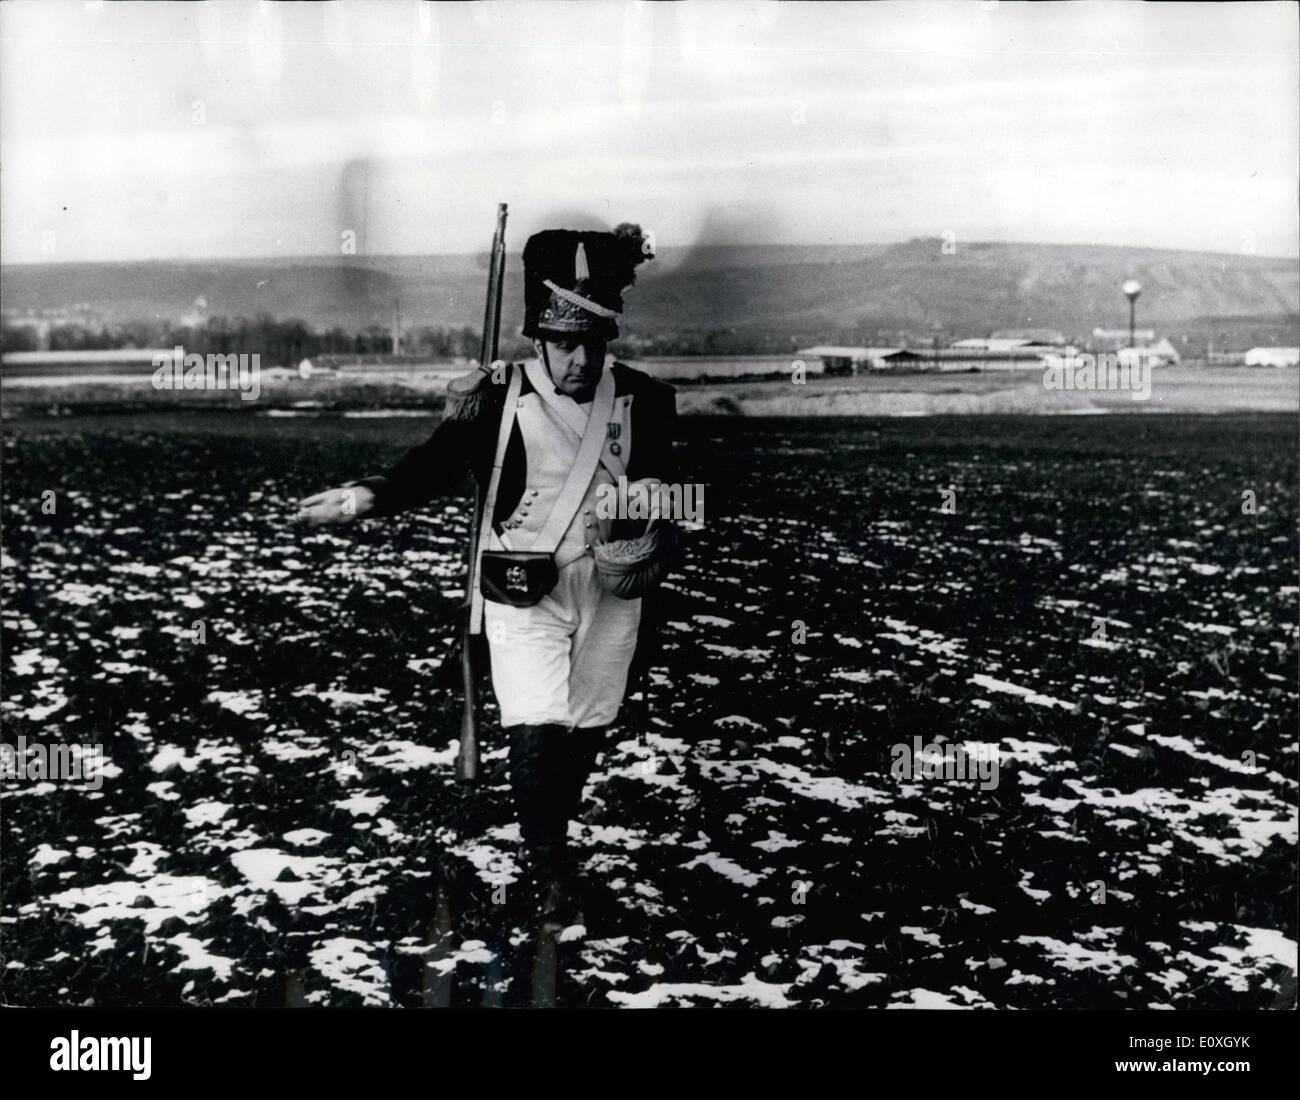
<point x="551" y="425"/>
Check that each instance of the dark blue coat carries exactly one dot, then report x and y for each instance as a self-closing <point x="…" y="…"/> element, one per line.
<point x="466" y="439"/>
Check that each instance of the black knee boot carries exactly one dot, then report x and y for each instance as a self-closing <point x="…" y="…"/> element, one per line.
<point x="585" y="747"/>
<point x="540" y="784"/>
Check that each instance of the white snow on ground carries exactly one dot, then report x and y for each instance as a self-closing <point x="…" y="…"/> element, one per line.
<point x="928" y="998"/>
<point x="1236" y="966"/>
<point x="198" y="957"/>
<point x="302" y="747"/>
<point x="164" y="791"/>
<point x="206" y="813"/>
<point x="349" y="964"/>
<point x="27" y="662"/>
<point x="405" y="756"/>
<point x="206" y="752"/>
<point x="922" y="936"/>
<point x="495" y="866"/>
<point x="262" y="866"/>
<point x="1262" y="943"/>
<point x="172" y="896"/>
<point x="749" y="990"/>
<point x="39" y="713"/>
<point x="470" y="951"/>
<point x="1073" y="956"/>
<point x="761" y="655"/>
<point x="737" y="720"/>
<point x="341" y="699"/>
<point x="1209" y="628"/>
<point x="845" y="957"/>
<point x="727" y="868"/>
<point x="1255" y="826"/>
<point x="614" y="836"/>
<point x="305" y="838"/>
<point x="1032" y="753"/>
<point x="46" y="856"/>
<point x="831" y="788"/>
<point x="1029" y="695"/>
<point x="84" y="595"/>
<point x="361" y="805"/>
<point x="775" y="842"/>
<point x="859" y="676"/>
<point x="1182" y="744"/>
<point x="1037" y="895"/>
<point x="244" y="703"/>
<point x="926" y="640"/>
<point x="147" y="857"/>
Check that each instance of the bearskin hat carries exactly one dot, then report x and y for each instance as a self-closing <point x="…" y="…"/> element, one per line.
<point x="574" y="281"/>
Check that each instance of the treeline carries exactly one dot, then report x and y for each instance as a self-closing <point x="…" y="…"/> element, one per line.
<point x="287" y="342"/>
<point x="279" y="342"/>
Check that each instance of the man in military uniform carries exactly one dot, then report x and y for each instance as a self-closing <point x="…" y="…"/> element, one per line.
<point x="559" y="668"/>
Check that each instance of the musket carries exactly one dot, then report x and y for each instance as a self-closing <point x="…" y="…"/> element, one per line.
<point x="467" y="759"/>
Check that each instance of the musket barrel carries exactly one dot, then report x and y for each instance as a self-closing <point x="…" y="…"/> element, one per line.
<point x="467" y="759"/>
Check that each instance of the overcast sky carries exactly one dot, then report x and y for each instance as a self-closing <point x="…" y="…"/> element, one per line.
<point x="251" y="128"/>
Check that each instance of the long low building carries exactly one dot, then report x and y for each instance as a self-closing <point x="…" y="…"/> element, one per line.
<point x="963" y="356"/>
<point x="838" y="359"/>
<point x="17" y="364"/>
<point x="360" y="362"/>
<point x="1273" y="357"/>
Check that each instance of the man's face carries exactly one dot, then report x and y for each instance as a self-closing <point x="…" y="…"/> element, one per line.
<point x="575" y="363"/>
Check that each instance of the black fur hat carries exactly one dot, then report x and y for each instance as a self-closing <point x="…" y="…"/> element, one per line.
<point x="574" y="281"/>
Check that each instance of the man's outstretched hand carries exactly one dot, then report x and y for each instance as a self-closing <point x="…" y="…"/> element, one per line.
<point x="335" y="506"/>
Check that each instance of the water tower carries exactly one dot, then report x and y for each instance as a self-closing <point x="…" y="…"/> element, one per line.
<point x="1132" y="289"/>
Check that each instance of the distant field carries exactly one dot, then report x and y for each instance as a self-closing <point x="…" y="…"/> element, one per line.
<point x="721" y="390"/>
<point x="282" y="811"/>
<point x="1001" y="392"/>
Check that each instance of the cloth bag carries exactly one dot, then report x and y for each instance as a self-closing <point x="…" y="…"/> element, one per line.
<point x="629" y="568"/>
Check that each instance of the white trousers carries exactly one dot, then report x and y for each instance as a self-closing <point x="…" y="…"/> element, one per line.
<point x="566" y="659"/>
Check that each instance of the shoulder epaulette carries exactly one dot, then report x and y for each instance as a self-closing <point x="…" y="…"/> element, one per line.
<point x="474" y="395"/>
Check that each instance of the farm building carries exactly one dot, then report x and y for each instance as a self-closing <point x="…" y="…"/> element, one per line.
<point x="350" y="363"/>
<point x="1040" y="337"/>
<point x="1000" y="344"/>
<point x="1273" y="357"/>
<point x="965" y="355"/>
<point x="851" y="360"/>
<point x="1112" y="339"/>
<point x="1160" y="354"/>
<point x="979" y="355"/>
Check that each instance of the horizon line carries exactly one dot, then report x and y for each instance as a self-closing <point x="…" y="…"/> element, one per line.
<point x="353" y="257"/>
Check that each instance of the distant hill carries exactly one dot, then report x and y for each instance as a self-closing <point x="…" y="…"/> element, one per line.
<point x="801" y="292"/>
